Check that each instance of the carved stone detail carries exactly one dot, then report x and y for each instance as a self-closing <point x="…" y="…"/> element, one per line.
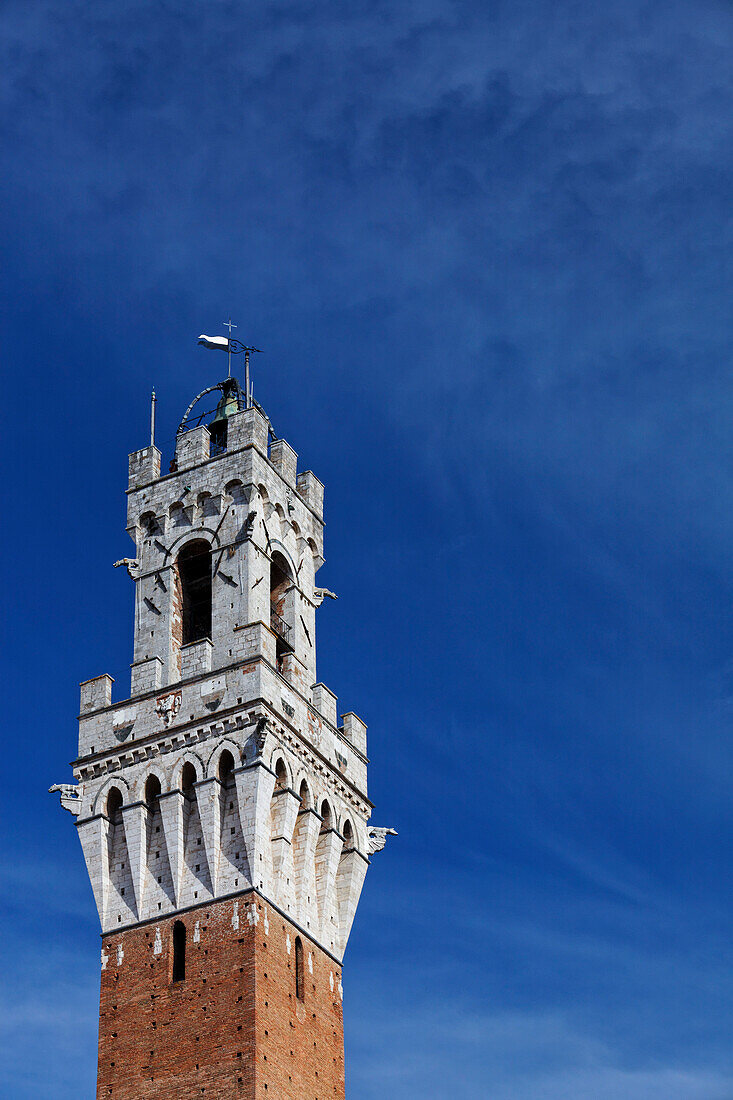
<point x="167" y="707"/>
<point x="70" y="796"/>
<point x="378" y="838"/>
<point x="132" y="565"/>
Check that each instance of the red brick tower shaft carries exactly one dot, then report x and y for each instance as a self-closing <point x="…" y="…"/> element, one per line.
<point x="237" y="1024"/>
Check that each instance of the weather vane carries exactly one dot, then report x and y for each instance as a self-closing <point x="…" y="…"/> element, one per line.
<point x="232" y="347"/>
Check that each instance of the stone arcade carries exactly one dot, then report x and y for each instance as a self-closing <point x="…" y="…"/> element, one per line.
<point x="222" y="810"/>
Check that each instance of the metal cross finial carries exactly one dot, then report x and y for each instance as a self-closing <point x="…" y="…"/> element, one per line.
<point x="228" y="324"/>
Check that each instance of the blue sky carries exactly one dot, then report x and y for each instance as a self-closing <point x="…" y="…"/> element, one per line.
<point x="486" y="248"/>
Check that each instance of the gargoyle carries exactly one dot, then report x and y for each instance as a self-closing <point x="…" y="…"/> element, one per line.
<point x="378" y="838"/>
<point x="132" y="565"/>
<point x="245" y="531"/>
<point x="319" y="595"/>
<point x="260" y="734"/>
<point x="70" y="796"/>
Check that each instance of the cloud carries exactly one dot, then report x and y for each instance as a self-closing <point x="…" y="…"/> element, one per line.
<point x="517" y="1055"/>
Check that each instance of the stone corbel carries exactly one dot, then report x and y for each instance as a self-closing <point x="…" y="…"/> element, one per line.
<point x="349" y="881"/>
<point x="208" y="799"/>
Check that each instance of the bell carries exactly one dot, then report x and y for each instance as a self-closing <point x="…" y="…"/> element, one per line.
<point x="227" y="406"/>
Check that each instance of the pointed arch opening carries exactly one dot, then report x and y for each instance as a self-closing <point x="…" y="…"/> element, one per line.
<point x="281" y="587"/>
<point x="281" y="775"/>
<point x="194" y="584"/>
<point x="349" y="880"/>
<point x="303" y="877"/>
<point x="304" y="795"/>
<point x="114" y="805"/>
<point x="226" y="767"/>
<point x="188" y="779"/>
<point x="326" y="845"/>
<point x="121" y="898"/>
<point x="152" y="793"/>
<point x="277" y="804"/>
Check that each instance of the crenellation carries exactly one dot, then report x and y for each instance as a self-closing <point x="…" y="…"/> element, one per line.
<point x="285" y="461"/>
<point x="196" y="658"/>
<point x="355" y="731"/>
<point x="248" y="428"/>
<point x="143" y="466"/>
<point x="96" y="693"/>
<point x="193" y="447"/>
<point x="311" y="490"/>
<point x="325" y="702"/>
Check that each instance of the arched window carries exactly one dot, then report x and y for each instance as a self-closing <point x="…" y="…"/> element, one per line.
<point x="281" y="584"/>
<point x="281" y="775"/>
<point x="188" y="778"/>
<point x="226" y="766"/>
<point x="348" y="836"/>
<point x="114" y="805"/>
<point x="152" y="793"/>
<point x="299" y="976"/>
<point x="235" y="490"/>
<point x="149" y="524"/>
<point x="299" y="845"/>
<point x="323" y="856"/>
<point x="179" y="951"/>
<point x="179" y="517"/>
<point x="277" y="805"/>
<point x="194" y="573"/>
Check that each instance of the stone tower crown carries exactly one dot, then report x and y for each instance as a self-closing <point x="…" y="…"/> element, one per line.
<point x="226" y="772"/>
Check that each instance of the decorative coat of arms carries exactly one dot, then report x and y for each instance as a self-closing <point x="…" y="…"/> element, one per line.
<point x="168" y="706"/>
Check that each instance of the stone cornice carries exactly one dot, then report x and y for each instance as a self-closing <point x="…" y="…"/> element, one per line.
<point x="115" y="760"/>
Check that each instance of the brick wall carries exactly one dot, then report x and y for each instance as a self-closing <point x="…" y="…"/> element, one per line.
<point x="234" y="1027"/>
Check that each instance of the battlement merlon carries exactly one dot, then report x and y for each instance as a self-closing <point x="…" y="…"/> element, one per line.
<point x="248" y="428"/>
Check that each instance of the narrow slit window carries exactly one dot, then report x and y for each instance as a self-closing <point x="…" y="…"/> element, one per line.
<point x="179" y="951"/>
<point x="299" y="978"/>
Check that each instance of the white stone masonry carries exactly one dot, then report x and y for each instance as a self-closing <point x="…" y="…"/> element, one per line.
<point x="225" y="771"/>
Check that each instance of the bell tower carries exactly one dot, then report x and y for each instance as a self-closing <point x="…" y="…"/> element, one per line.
<point x="222" y="808"/>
